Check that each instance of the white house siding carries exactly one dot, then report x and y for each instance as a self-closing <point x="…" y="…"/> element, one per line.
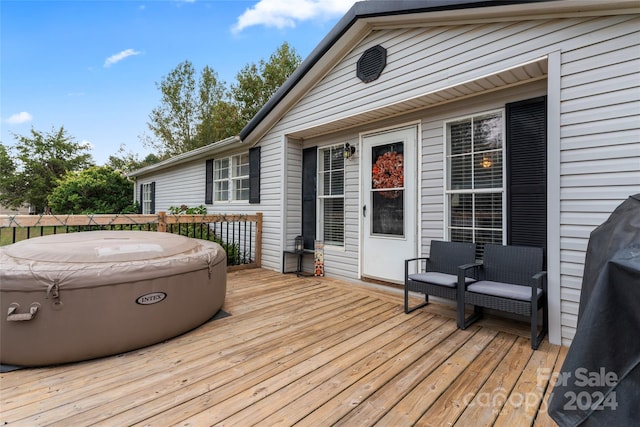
<point x="599" y="142"/>
<point x="291" y="173"/>
<point x="271" y="197"/>
<point x="423" y="60"/>
<point x="339" y="262"/>
<point x="182" y="184"/>
<point x="600" y="145"/>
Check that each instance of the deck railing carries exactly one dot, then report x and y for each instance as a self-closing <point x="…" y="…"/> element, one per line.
<point x="240" y="235"/>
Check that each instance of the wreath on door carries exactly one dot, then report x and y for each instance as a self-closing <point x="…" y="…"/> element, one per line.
<point x="387" y="173"/>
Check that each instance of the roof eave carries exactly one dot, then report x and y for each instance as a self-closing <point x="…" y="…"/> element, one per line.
<point x="195" y="154"/>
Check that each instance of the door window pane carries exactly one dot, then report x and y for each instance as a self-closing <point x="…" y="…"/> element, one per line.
<point x="387" y="189"/>
<point x="387" y="216"/>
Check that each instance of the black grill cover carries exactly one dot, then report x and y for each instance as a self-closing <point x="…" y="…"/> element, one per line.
<point x="599" y="383"/>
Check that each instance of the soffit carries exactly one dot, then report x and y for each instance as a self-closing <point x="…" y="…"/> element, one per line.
<point x="520" y="74"/>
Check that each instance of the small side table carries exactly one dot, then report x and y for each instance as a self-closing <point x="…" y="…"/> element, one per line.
<point x="298" y="270"/>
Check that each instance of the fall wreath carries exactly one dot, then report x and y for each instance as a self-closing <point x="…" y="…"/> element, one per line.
<point x="388" y="172"/>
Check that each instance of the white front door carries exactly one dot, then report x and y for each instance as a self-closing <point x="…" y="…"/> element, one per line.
<point x="389" y="203"/>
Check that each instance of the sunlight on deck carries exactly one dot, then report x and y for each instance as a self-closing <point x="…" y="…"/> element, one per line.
<point x="307" y="351"/>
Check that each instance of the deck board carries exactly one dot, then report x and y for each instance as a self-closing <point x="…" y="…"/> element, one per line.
<point x="305" y="351"/>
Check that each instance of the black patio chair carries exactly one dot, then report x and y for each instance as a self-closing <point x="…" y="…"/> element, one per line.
<point x="440" y="274"/>
<point x="510" y="279"/>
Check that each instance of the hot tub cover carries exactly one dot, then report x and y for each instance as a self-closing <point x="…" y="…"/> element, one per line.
<point x="599" y="383"/>
<point x="71" y="258"/>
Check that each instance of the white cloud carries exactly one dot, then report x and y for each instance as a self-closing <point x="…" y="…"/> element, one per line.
<point x="21" y="117"/>
<point x="286" y="13"/>
<point x="87" y="144"/>
<point x="120" y="56"/>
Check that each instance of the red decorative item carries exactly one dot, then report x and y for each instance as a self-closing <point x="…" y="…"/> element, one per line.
<point x="388" y="173"/>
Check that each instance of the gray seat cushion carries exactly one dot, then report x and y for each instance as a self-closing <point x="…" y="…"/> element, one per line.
<point x="435" y="278"/>
<point x="503" y="290"/>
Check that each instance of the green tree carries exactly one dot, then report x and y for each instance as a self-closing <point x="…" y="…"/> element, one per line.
<point x="199" y="110"/>
<point x="98" y="189"/>
<point x="217" y="117"/>
<point x="11" y="189"/>
<point x="185" y="104"/>
<point x="258" y="82"/>
<point x="40" y="160"/>
<point x="127" y="161"/>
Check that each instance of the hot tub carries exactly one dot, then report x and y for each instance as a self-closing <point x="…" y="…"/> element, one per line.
<point x="78" y="296"/>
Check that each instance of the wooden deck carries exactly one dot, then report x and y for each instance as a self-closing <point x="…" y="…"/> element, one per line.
<point x="306" y="351"/>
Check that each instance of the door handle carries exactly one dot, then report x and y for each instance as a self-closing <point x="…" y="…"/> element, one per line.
<point x="364" y="211"/>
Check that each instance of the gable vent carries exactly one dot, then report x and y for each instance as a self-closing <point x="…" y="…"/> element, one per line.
<point x="371" y="63"/>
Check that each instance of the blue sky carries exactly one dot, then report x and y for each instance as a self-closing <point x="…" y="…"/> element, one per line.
<point x="92" y="66"/>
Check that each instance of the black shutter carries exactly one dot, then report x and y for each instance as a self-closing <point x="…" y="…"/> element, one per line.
<point x="208" y="183"/>
<point x="153" y="198"/>
<point x="527" y="172"/>
<point x="309" y="177"/>
<point x="254" y="175"/>
<point x="141" y="198"/>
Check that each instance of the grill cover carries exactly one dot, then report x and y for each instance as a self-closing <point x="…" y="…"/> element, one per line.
<point x="599" y="383"/>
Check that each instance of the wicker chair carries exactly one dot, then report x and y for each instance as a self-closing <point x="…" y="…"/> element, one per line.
<point x="510" y="279"/>
<point x="439" y="277"/>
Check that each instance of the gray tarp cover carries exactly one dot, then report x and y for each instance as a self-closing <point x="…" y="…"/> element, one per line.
<point x="599" y="383"/>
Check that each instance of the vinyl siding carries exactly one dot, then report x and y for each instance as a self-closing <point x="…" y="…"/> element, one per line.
<point x="339" y="262"/>
<point x="176" y="186"/>
<point x="422" y="60"/>
<point x="271" y="199"/>
<point x="600" y="146"/>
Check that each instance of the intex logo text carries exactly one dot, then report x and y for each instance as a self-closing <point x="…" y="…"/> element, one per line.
<point x="152" y="298"/>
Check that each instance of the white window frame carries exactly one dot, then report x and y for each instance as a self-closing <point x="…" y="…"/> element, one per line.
<point x="232" y="178"/>
<point x="447" y="181"/>
<point x="146" y="198"/>
<point x="322" y="197"/>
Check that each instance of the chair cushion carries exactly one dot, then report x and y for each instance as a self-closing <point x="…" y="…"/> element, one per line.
<point x="502" y="290"/>
<point x="440" y="279"/>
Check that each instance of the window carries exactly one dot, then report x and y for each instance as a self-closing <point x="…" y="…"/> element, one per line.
<point x="331" y="195"/>
<point x="475" y="179"/>
<point x="231" y="178"/>
<point x="147" y="198"/>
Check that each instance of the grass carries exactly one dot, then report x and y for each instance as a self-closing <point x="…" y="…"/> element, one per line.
<point x="234" y="255"/>
<point x="22" y="233"/>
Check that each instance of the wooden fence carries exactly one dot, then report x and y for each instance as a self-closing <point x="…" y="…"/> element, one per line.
<point x="240" y="235"/>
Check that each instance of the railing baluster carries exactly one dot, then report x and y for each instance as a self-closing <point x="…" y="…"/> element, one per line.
<point x="235" y="232"/>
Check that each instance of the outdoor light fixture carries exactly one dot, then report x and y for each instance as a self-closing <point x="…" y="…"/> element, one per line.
<point x="349" y="150"/>
<point x="299" y="245"/>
